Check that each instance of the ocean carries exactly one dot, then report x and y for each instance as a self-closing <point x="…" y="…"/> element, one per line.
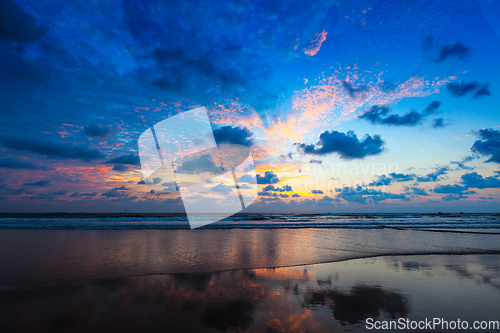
<point x="456" y="222"/>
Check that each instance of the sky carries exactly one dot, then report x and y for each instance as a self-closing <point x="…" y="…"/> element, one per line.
<point x="365" y="106"/>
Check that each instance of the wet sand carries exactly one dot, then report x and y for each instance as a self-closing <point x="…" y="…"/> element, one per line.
<point x="42" y="256"/>
<point x="231" y="280"/>
<point x="330" y="297"/>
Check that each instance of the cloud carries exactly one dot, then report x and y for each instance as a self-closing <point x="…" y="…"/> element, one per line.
<point x="433" y="176"/>
<point x="316" y="42"/>
<point x="234" y="135"/>
<point x="80" y="195"/>
<point x="285" y="188"/>
<point x="130" y="159"/>
<point x="121" y="167"/>
<point x="348" y="146"/>
<point x="475" y="180"/>
<point x="221" y="188"/>
<point x="51" y="149"/>
<point x="14" y="163"/>
<point x="461" y="164"/>
<point x="447" y="189"/>
<point x="462" y="88"/>
<point x="457" y="50"/>
<point x="43" y="182"/>
<point x="316" y="192"/>
<point x="392" y="177"/>
<point x="379" y="115"/>
<point x="428" y="43"/>
<point x="268" y="178"/>
<point x="484" y="91"/>
<point x="363" y="195"/>
<point x="439" y="123"/>
<point x="18" y="26"/>
<point x="246" y="179"/>
<point x="316" y="161"/>
<point x="114" y="194"/>
<point x="416" y="191"/>
<point x="121" y="188"/>
<point x="489" y="145"/>
<point x="453" y="192"/>
<point x="387" y="86"/>
<point x="354" y="92"/>
<point x="204" y="163"/>
<point x="98" y="131"/>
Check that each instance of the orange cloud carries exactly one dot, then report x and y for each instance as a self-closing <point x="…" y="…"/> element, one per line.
<point x="316" y="42"/>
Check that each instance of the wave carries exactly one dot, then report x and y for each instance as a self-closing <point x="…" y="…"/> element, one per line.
<point x="250" y="221"/>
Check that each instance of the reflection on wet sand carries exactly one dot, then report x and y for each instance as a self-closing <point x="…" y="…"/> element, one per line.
<point x="360" y="303"/>
<point x="40" y="256"/>
<point x="315" y="298"/>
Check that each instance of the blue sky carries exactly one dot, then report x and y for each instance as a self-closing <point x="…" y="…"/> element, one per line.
<point x="81" y="81"/>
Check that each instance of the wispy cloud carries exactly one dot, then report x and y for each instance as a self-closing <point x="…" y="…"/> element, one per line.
<point x="316" y="42"/>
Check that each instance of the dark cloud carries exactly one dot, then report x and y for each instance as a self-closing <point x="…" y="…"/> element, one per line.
<point x="348" y="146"/>
<point x="268" y="178"/>
<point x="462" y="88"/>
<point x="432" y="107"/>
<point x="204" y="163"/>
<point x="475" y="180"/>
<point x="51" y="149"/>
<point x="247" y="179"/>
<point x="439" y="123"/>
<point x="121" y="167"/>
<point x="416" y="191"/>
<point x="361" y="302"/>
<point x="434" y="176"/>
<point x="489" y="145"/>
<point x="156" y="180"/>
<point x="285" y="188"/>
<point x="80" y="195"/>
<point x="428" y="43"/>
<point x="234" y="135"/>
<point x="114" y="194"/>
<point x="121" y="188"/>
<point x="379" y="115"/>
<point x="457" y="50"/>
<point x="453" y="192"/>
<point x="382" y="180"/>
<point x="461" y="164"/>
<point x="18" y="26"/>
<point x="387" y="86"/>
<point x="49" y="197"/>
<point x="363" y="195"/>
<point x="99" y="131"/>
<point x="447" y="189"/>
<point x="316" y="192"/>
<point x="43" y="182"/>
<point x="316" y="161"/>
<point x="130" y="159"/>
<point x="14" y="163"/>
<point x="354" y="92"/>
<point x="221" y="188"/>
<point x="484" y="91"/>
<point x="392" y="177"/>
